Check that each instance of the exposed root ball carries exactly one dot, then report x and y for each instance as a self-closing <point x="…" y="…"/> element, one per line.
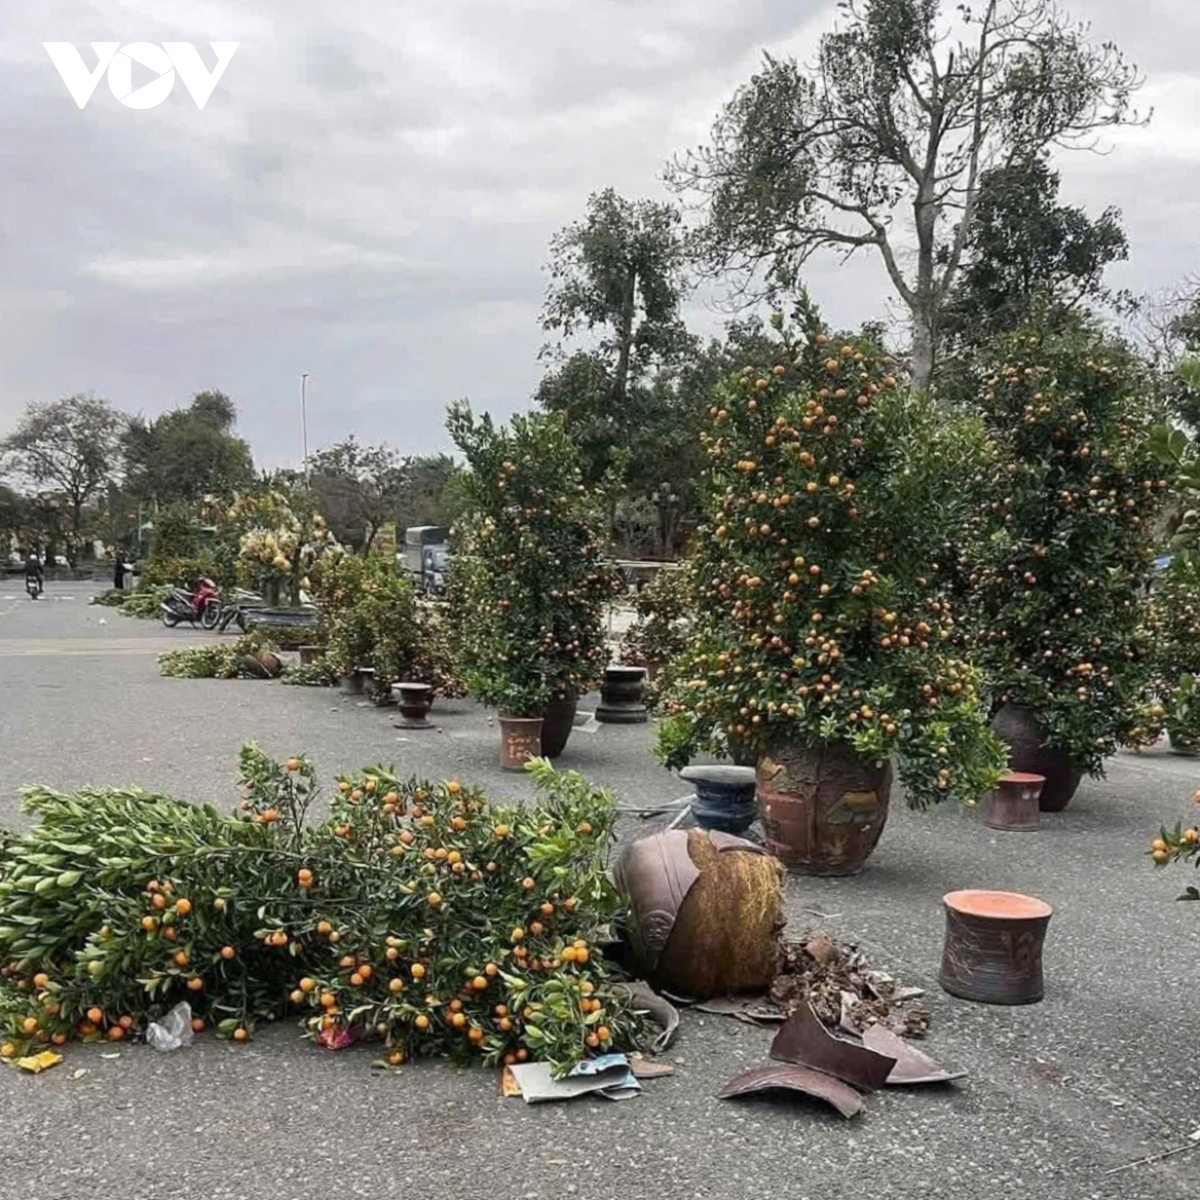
<point x="725" y="938"/>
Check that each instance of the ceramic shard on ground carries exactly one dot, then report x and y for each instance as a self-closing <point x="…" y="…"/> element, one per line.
<point x="790" y="1077"/>
<point x="805" y="1041"/>
<point x="912" y="1065"/>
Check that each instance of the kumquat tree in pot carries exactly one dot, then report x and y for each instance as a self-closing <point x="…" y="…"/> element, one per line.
<point x="820" y="640"/>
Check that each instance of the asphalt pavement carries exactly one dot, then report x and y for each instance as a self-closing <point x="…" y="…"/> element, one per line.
<point x="1061" y="1097"/>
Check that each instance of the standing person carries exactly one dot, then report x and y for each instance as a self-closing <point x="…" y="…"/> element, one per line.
<point x="33" y="570"/>
<point x="119" y="571"/>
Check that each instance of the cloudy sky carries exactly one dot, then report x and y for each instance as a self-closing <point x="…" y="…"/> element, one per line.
<point x="368" y="194"/>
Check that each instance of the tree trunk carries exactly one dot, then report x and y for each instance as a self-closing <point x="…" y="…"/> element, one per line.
<point x="922" y="352"/>
<point x="625" y="338"/>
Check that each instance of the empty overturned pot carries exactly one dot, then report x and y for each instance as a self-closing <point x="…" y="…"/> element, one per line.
<point x="414" y="700"/>
<point x="724" y="797"/>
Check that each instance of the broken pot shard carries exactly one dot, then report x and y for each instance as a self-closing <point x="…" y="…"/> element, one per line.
<point x="912" y="1065"/>
<point x="789" y="1077"/>
<point x="804" y="1040"/>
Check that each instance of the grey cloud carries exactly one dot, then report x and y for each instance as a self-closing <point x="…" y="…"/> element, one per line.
<point x="369" y="193"/>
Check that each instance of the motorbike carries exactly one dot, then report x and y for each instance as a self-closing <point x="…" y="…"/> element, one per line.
<point x="33" y="586"/>
<point x="243" y="602"/>
<point x="201" y="607"/>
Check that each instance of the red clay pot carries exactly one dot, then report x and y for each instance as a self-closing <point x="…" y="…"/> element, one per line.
<point x="823" y="808"/>
<point x="520" y="740"/>
<point x="1013" y="805"/>
<point x="1018" y="725"/>
<point x="993" y="949"/>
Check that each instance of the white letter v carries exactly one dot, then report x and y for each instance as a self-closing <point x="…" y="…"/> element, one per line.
<point x="75" y="75"/>
<point x="192" y="70"/>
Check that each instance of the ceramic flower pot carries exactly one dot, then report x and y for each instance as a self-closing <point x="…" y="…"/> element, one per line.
<point x="621" y="696"/>
<point x="520" y="740"/>
<point x="1028" y="753"/>
<point x="414" y="700"/>
<point x="1014" y="803"/>
<point x="993" y="948"/>
<point x="822" y="807"/>
<point x="557" y="722"/>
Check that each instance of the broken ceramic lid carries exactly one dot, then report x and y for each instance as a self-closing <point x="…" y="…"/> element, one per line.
<point x="804" y="1040"/>
<point x="797" y="1079"/>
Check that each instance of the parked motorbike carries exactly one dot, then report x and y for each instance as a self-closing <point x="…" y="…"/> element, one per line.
<point x="235" y="611"/>
<point x="201" y="607"/>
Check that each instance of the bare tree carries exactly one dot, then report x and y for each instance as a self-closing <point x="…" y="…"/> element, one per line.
<point x="901" y="115"/>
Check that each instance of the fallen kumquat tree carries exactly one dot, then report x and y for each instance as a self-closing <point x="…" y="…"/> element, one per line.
<point x="418" y="914"/>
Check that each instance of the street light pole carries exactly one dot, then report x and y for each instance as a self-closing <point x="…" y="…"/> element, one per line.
<point x="304" y="420"/>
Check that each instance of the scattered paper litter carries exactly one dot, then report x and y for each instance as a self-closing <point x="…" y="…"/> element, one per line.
<point x="608" y="1076"/>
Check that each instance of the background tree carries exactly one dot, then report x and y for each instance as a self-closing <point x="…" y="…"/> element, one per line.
<point x="618" y="275"/>
<point x="358" y="488"/>
<point x="71" y="448"/>
<point x="431" y="491"/>
<point x="901" y="116"/>
<point x="12" y="519"/>
<point x="188" y="453"/>
<point x="1027" y="251"/>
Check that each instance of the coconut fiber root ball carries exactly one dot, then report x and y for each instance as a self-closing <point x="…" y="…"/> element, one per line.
<point x="705" y="912"/>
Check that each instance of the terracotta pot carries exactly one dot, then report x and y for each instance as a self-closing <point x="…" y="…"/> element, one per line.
<point x="705" y="911"/>
<point x="520" y="740"/>
<point x="621" y="696"/>
<point x="414" y="700"/>
<point x="1028" y="753"/>
<point x="1014" y="803"/>
<point x="822" y="807"/>
<point x="271" y="662"/>
<point x="993" y="949"/>
<point x="557" y="722"/>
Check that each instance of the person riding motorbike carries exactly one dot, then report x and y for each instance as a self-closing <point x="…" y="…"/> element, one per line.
<point x="33" y="570"/>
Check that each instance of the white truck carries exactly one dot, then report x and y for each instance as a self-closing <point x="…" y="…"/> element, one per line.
<point x="424" y="556"/>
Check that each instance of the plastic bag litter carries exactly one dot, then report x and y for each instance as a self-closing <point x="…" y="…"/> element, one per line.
<point x="173" y="1031"/>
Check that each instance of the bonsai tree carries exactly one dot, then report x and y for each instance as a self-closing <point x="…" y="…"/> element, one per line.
<point x="820" y="633"/>
<point x="1058" y="552"/>
<point x="528" y="585"/>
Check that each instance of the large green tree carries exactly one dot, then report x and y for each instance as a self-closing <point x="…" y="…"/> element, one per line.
<point x="359" y="488"/>
<point x="67" y="451"/>
<point x="616" y="277"/>
<point x="882" y="144"/>
<point x="1026" y="252"/>
<point x="188" y="453"/>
